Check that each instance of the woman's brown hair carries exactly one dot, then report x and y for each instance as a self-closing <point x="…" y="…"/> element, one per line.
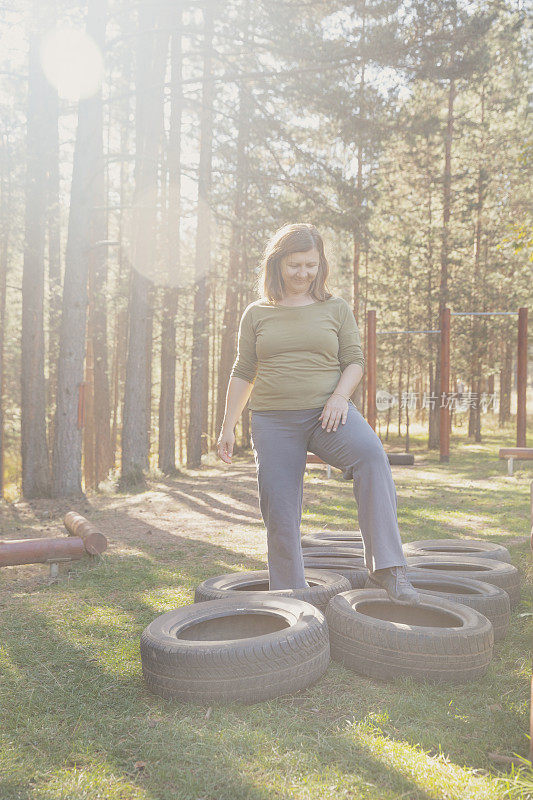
<point x="297" y="237"/>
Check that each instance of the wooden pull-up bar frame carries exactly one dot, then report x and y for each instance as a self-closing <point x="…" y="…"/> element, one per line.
<point x="444" y="388"/>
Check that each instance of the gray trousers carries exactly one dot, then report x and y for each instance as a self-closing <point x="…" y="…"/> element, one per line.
<point x="280" y="441"/>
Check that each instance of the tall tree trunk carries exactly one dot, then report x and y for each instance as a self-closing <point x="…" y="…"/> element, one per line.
<point x="100" y="410"/>
<point x="54" y="254"/>
<point x="87" y="168"/>
<point x="358" y="231"/>
<point x="198" y="391"/>
<point x="478" y="229"/>
<point x="151" y="62"/>
<point x="35" y="462"/>
<point x="97" y="328"/>
<point x="167" y="400"/>
<point x="5" y="201"/>
<point x="408" y="352"/>
<point x="446" y="214"/>
<point x="205" y="368"/>
<point x="433" y="405"/>
<point x="231" y="318"/>
<point x="400" y="384"/>
<point x="89" y="433"/>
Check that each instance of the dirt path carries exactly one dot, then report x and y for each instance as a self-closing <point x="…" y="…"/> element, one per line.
<point x="217" y="507"/>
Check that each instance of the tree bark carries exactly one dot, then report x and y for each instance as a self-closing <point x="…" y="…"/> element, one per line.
<point x="5" y="200"/>
<point x="230" y="322"/>
<point x="446" y="214"/>
<point x="35" y="461"/>
<point x="167" y="400"/>
<point x="200" y="331"/>
<point x="151" y="63"/>
<point x="87" y="169"/>
<point x="54" y="254"/>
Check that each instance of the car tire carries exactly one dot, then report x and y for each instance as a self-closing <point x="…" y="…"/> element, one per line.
<point x="340" y="560"/>
<point x="352" y="568"/>
<point x="401" y="459"/>
<point x="436" y="641"/>
<point x="335" y="538"/>
<point x="457" y="547"/>
<point x="245" y="650"/>
<point x="491" y="601"/>
<point x="499" y="573"/>
<point x="324" y="585"/>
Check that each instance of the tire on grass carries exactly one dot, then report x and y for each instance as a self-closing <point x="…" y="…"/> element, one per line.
<point x="247" y="649"/>
<point x="335" y="538"/>
<point x="352" y="567"/>
<point x="499" y="573"/>
<point x="436" y="641"/>
<point x="401" y="459"/>
<point x="357" y="576"/>
<point x="354" y="550"/>
<point x="478" y="548"/>
<point x="489" y="600"/>
<point x="324" y="585"/>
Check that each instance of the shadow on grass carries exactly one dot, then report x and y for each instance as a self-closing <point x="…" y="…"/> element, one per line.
<point x="76" y="707"/>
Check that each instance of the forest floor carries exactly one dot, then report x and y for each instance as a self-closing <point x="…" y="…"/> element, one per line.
<point x="77" y="723"/>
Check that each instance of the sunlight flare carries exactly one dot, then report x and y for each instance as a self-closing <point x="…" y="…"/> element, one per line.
<point x="72" y="63"/>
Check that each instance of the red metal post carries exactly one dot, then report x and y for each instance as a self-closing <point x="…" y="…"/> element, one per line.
<point x="521" y="379"/>
<point x="371" y="367"/>
<point x="444" y="410"/>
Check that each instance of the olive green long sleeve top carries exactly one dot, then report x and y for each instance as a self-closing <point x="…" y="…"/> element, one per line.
<point x="295" y="355"/>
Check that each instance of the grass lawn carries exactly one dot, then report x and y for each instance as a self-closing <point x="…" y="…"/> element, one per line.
<point x="77" y="724"/>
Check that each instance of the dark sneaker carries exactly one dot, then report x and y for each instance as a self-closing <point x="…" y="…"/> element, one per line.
<point x="396" y="583"/>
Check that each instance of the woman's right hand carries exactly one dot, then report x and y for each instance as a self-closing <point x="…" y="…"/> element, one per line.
<point x="225" y="443"/>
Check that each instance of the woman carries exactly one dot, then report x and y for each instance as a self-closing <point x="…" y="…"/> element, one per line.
<point x="300" y="360"/>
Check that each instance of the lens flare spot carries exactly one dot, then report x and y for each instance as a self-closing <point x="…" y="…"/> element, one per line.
<point x="72" y="63"/>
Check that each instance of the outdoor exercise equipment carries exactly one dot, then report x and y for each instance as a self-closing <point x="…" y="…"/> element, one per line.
<point x="513" y="454"/>
<point x="351" y="566"/>
<point x="437" y="640"/>
<point x="394" y="459"/>
<point x="457" y="547"/>
<point x="76" y="525"/>
<point x="353" y="549"/>
<point x="490" y="600"/>
<point x="499" y="573"/>
<point x="241" y="649"/>
<point x="84" y="539"/>
<point x="401" y="459"/>
<point x="325" y="538"/>
<point x="444" y="388"/>
<point x="323" y="586"/>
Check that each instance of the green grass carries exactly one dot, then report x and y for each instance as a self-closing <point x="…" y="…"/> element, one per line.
<point x="77" y="724"/>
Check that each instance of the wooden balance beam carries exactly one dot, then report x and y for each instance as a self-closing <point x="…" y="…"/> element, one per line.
<point x="518" y="453"/>
<point x="83" y="539"/>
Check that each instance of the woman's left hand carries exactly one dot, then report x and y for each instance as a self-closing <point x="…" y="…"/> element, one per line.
<point x="335" y="410"/>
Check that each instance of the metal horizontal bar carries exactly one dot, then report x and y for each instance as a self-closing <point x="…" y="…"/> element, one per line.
<point x="438" y="331"/>
<point x="482" y="313"/>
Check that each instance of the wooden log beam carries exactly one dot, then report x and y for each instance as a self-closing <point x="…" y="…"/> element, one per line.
<point x="40" y="551"/>
<point x="76" y="525"/>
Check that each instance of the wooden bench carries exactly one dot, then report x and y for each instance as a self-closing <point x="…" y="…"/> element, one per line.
<point x="518" y="453"/>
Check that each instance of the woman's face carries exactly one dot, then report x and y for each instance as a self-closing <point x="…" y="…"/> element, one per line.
<point x="298" y="270"/>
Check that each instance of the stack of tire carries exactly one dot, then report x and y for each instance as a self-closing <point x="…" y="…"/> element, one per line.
<point x="241" y="642"/>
